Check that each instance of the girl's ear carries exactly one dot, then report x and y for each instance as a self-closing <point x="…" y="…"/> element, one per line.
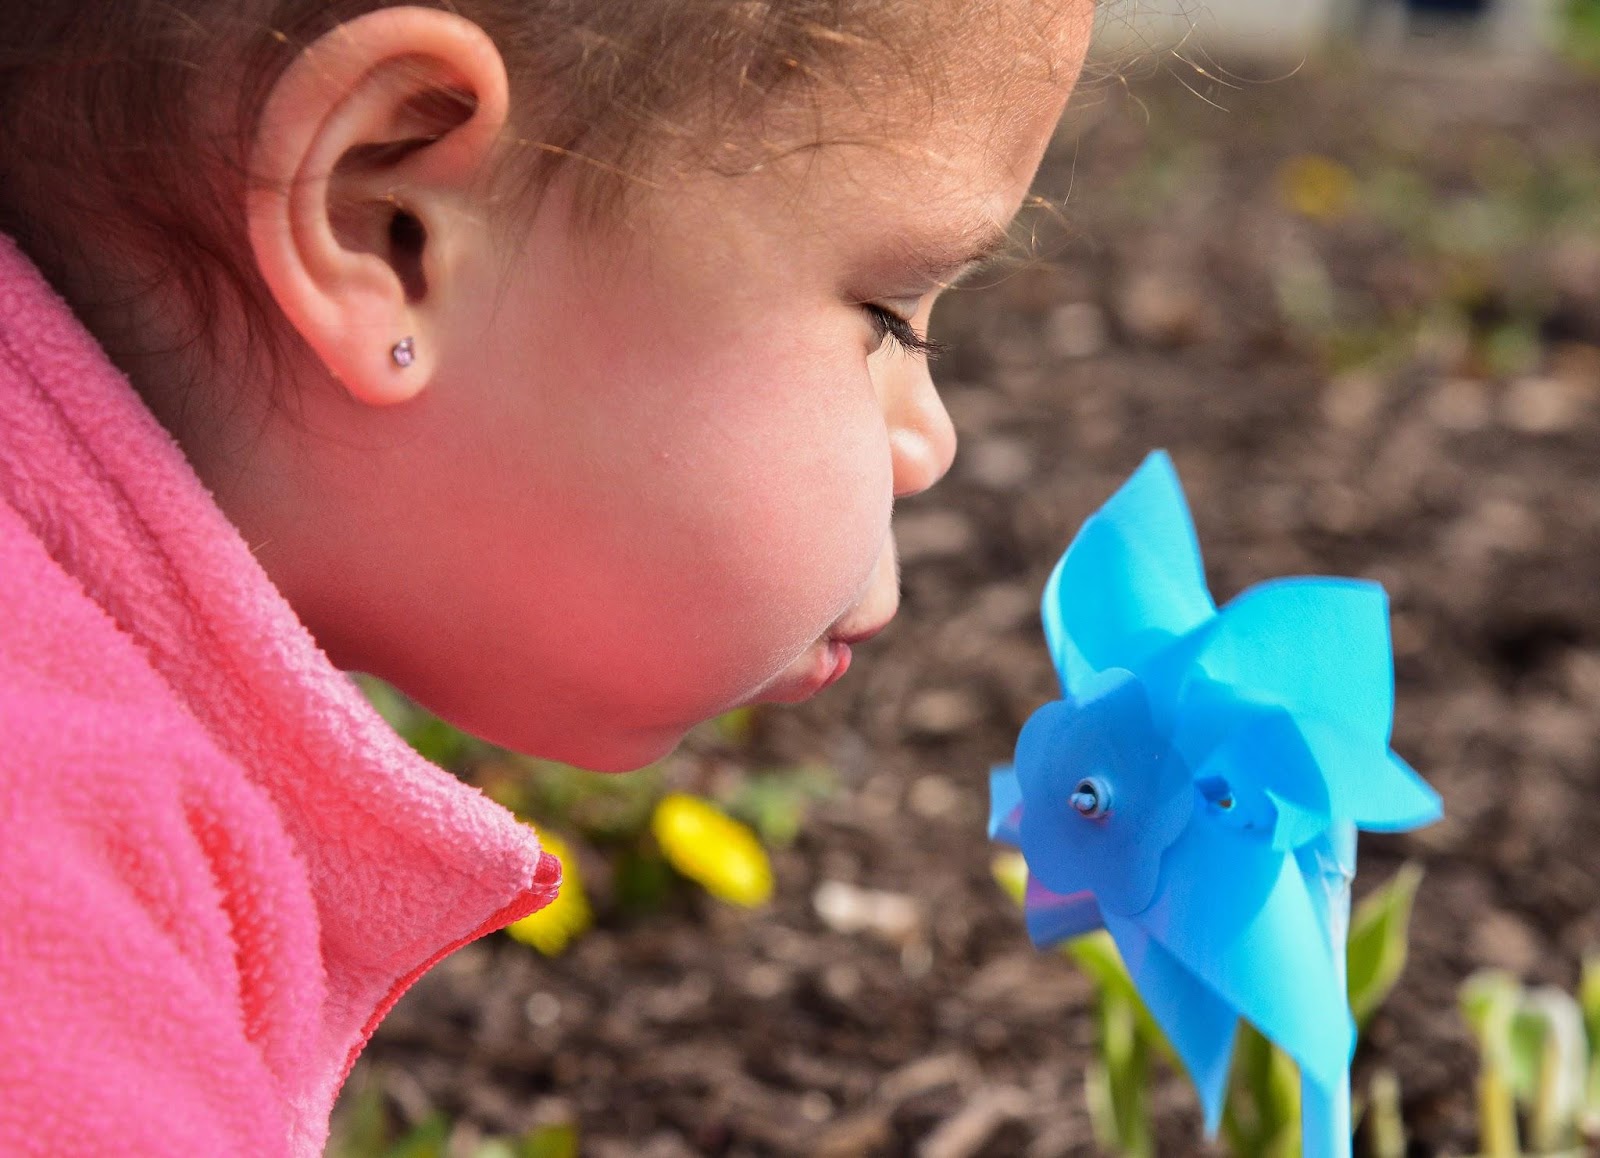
<point x="364" y="174"/>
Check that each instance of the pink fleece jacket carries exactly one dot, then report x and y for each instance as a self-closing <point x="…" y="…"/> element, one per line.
<point x="220" y="867"/>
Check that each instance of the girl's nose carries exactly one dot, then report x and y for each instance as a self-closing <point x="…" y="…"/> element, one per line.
<point x="922" y="439"/>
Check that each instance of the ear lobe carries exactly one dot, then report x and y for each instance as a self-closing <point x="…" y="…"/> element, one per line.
<point x="389" y="118"/>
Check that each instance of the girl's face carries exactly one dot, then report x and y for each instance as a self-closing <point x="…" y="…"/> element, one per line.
<point x="651" y="474"/>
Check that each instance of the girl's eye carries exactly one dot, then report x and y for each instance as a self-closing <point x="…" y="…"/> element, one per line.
<point x="893" y="329"/>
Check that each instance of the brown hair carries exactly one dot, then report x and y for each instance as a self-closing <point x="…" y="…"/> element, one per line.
<point x="104" y="155"/>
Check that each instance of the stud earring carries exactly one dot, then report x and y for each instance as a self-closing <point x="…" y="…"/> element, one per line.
<point x="404" y="352"/>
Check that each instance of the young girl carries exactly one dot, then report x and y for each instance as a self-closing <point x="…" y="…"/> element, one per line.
<point x="558" y="362"/>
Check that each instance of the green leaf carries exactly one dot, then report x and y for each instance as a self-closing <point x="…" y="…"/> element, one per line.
<point x="606" y="808"/>
<point x="1096" y="954"/>
<point x="426" y="1141"/>
<point x="1386" y="1129"/>
<point x="1261" y="1118"/>
<point x="776" y="803"/>
<point x="1102" y="1108"/>
<point x="1376" y="954"/>
<point x="1117" y="1083"/>
<point x="438" y="742"/>
<point x="1489" y="1001"/>
<point x="1589" y="999"/>
<point x="1010" y="872"/>
<point x="1580" y="34"/>
<point x="361" y="1129"/>
<point x="1525" y="1041"/>
<point x="1555" y="1104"/>
<point x="643" y="880"/>
<point x="736" y="727"/>
<point x="431" y="737"/>
<point x="557" y="1141"/>
<point x="1512" y="349"/>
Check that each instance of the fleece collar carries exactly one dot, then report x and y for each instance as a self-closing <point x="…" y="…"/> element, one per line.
<point x="405" y="862"/>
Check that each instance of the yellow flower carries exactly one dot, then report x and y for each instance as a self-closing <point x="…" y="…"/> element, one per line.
<point x="712" y="848"/>
<point x="1010" y="872"/>
<point x="553" y="927"/>
<point x="1317" y="187"/>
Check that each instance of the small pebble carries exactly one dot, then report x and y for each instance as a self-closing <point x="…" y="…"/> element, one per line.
<point x="1075" y="330"/>
<point x="933" y="797"/>
<point x="845" y="908"/>
<point x="1351" y="401"/>
<point x="1006" y="606"/>
<point x="916" y="960"/>
<point x="1460" y="404"/>
<point x="1505" y="941"/>
<point x="932" y="534"/>
<point x="764" y="981"/>
<point x="1338" y="509"/>
<point x="542" y="1010"/>
<point x="879" y="798"/>
<point x="1001" y="464"/>
<point x="841" y="982"/>
<point x="1543" y="405"/>
<point x="968" y="1131"/>
<point x="1581" y="675"/>
<point x="859" y="1136"/>
<point x="815" y="1106"/>
<point x="1409" y="636"/>
<point x="1162" y="309"/>
<point x="943" y="712"/>
<point x="1495" y="525"/>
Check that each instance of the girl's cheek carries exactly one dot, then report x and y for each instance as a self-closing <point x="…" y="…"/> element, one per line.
<point x="812" y="522"/>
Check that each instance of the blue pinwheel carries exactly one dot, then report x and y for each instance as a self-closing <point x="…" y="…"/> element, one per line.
<point x="1198" y="788"/>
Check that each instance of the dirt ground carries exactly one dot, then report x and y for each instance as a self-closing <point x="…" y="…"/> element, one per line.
<point x="1362" y="311"/>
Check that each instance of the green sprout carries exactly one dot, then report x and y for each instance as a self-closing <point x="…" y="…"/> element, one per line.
<point x="362" y="1129"/>
<point x="1533" y="1057"/>
<point x="1375" y="955"/>
<point x="1580" y="38"/>
<point x="1589" y="1000"/>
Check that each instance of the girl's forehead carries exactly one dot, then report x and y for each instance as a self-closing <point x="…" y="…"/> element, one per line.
<point x="908" y="211"/>
<point x="943" y="160"/>
<point x="1001" y="83"/>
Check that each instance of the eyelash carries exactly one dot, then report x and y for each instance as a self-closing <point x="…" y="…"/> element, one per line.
<point x="892" y="327"/>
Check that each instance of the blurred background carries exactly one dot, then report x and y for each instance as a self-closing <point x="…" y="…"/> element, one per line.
<point x="1342" y="259"/>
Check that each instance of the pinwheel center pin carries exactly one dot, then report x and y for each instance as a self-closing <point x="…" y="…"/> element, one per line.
<point x="1216" y="792"/>
<point x="1092" y="797"/>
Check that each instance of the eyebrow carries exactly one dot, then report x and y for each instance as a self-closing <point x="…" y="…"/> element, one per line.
<point x="946" y="264"/>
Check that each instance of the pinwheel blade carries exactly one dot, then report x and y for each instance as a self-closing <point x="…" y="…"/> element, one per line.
<point x="1261" y="763"/>
<point x="1199" y="1023"/>
<point x="1319" y="647"/>
<point x="1376" y="790"/>
<point x="1130" y="583"/>
<point x="1235" y="912"/>
<point x="1005" y="805"/>
<point x="1056" y="917"/>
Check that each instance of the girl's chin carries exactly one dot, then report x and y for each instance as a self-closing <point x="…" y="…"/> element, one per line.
<point x="820" y="665"/>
